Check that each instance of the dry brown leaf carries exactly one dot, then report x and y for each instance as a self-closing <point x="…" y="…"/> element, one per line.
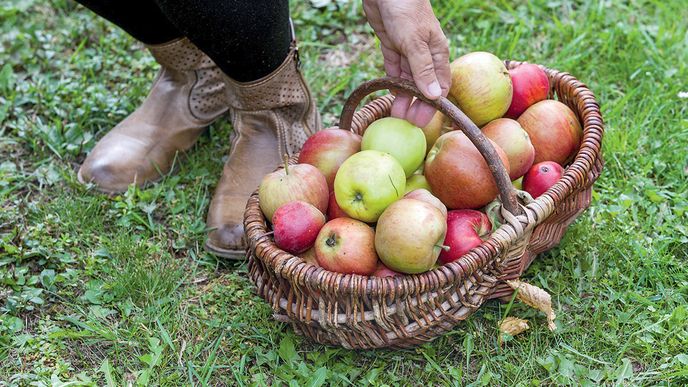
<point x="535" y="297"/>
<point x="512" y="326"/>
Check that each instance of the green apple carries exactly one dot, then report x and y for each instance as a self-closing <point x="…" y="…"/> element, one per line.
<point x="415" y="182"/>
<point x="399" y="138"/>
<point x="367" y="182"/>
<point x="518" y="183"/>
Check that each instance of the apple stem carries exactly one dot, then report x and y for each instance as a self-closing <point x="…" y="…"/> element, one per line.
<point x="286" y="163"/>
<point x="443" y="247"/>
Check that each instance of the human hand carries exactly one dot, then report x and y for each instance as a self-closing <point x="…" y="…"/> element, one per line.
<point x="414" y="47"/>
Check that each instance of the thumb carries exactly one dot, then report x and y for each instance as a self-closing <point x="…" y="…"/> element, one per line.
<point x="423" y="70"/>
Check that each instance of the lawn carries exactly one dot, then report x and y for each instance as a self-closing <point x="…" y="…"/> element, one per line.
<point x="102" y="290"/>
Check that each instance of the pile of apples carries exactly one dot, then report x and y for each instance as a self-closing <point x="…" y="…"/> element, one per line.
<point x="403" y="199"/>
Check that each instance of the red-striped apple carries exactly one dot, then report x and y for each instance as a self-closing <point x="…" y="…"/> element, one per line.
<point x="327" y="150"/>
<point x="514" y="141"/>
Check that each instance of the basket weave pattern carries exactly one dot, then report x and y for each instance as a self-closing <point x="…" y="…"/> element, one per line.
<point x="369" y="312"/>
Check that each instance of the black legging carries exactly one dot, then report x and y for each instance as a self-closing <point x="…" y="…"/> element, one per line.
<point x="248" y="39"/>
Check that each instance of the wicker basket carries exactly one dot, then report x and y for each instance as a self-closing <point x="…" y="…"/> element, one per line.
<point x="370" y="312"/>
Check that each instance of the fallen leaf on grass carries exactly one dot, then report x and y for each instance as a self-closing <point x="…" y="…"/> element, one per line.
<point x="512" y="326"/>
<point x="536" y="298"/>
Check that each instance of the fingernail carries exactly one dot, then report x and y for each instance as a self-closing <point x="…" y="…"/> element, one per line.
<point x="434" y="89"/>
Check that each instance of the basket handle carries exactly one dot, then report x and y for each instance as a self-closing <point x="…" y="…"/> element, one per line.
<point x="507" y="192"/>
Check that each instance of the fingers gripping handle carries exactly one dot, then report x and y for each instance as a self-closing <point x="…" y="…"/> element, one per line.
<point x="506" y="190"/>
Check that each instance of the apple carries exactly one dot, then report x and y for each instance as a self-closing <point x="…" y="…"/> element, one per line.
<point x="401" y="139"/>
<point x="426" y="196"/>
<point x="293" y="182"/>
<point x="333" y="209"/>
<point x="466" y="229"/>
<point x="515" y="142"/>
<point x="458" y="174"/>
<point x="327" y="150"/>
<point x="518" y="183"/>
<point x="409" y="235"/>
<point x="384" y="271"/>
<point x="438" y="125"/>
<point x="554" y="131"/>
<point x="541" y="176"/>
<point x="309" y="256"/>
<point x="530" y="84"/>
<point x="346" y="245"/>
<point x="296" y="225"/>
<point x="415" y="182"/>
<point x="481" y="86"/>
<point x="367" y="183"/>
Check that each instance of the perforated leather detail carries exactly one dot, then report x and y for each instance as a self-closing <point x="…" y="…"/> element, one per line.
<point x="181" y="55"/>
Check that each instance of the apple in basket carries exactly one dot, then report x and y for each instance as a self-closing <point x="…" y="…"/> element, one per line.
<point x="481" y="86"/>
<point x="295" y="182"/>
<point x="296" y="225"/>
<point x="384" y="271"/>
<point x="346" y="245"/>
<point x="327" y="150"/>
<point x="426" y="196"/>
<point x="333" y="209"/>
<point x="415" y="182"/>
<point x="466" y="229"/>
<point x="398" y="137"/>
<point x="309" y="256"/>
<point x="458" y="174"/>
<point x="438" y="125"/>
<point x="409" y="236"/>
<point x="367" y="183"/>
<point x="554" y="131"/>
<point x="541" y="176"/>
<point x="530" y="85"/>
<point x="515" y="142"/>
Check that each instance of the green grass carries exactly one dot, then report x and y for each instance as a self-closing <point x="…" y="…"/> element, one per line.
<point x="116" y="290"/>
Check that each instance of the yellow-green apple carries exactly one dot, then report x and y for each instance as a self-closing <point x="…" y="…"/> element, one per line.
<point x="416" y="182"/>
<point x="384" y="271"/>
<point x="530" y="84"/>
<point x="333" y="209"/>
<point x="439" y="124"/>
<point x="367" y="183"/>
<point x="401" y="139"/>
<point x="346" y="245"/>
<point x="541" y="176"/>
<point x="466" y="229"/>
<point x="458" y="174"/>
<point x="293" y="182"/>
<point x="426" y="196"/>
<point x="481" y="86"/>
<point x="554" y="131"/>
<point x="514" y="141"/>
<point x="327" y="150"/>
<point x="309" y="256"/>
<point x="296" y="225"/>
<point x="409" y="235"/>
<point x="518" y="183"/>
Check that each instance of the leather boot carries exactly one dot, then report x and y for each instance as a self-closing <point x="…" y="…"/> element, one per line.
<point x="187" y="95"/>
<point x="271" y="116"/>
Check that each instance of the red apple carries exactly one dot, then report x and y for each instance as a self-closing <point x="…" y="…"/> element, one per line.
<point x="530" y="84"/>
<point x="294" y="182"/>
<point x="296" y="225"/>
<point x="346" y="245"/>
<point x="425" y="196"/>
<point x="466" y="229"/>
<point x="409" y="235"/>
<point x="384" y="271"/>
<point x="554" y="131"/>
<point x="458" y="174"/>
<point x="541" y="176"/>
<point x="327" y="150"/>
<point x="515" y="142"/>
<point x="333" y="210"/>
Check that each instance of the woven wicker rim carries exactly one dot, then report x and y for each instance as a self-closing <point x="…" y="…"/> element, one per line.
<point x="301" y="274"/>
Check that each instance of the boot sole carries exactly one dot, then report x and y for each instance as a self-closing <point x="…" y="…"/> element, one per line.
<point x="235" y="255"/>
